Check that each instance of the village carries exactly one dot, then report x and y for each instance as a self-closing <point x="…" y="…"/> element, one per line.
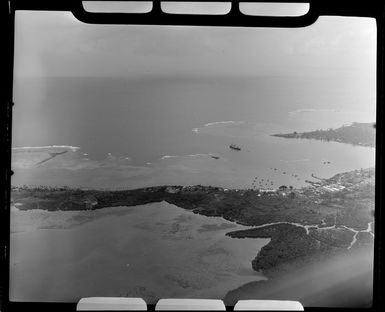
<point x="346" y="182"/>
<point x="327" y="213"/>
<point x="343" y="185"/>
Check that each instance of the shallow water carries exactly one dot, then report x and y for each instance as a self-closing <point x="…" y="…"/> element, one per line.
<point x="263" y="162"/>
<point x="152" y="251"/>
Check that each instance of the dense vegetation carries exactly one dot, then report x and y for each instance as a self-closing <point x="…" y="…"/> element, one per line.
<point x="357" y="134"/>
<point x="352" y="206"/>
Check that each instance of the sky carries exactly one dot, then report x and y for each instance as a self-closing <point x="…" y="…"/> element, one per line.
<point x="56" y="44"/>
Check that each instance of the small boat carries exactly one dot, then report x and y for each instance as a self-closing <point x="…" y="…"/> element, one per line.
<point x="235" y="147"/>
<point x="214" y="156"/>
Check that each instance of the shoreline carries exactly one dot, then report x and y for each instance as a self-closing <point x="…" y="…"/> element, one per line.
<point x="328" y="212"/>
<point x="332" y="218"/>
<point x="337" y="280"/>
<point x="356" y="134"/>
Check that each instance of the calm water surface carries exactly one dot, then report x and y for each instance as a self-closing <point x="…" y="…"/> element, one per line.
<point x="142" y="132"/>
<point x="151" y="251"/>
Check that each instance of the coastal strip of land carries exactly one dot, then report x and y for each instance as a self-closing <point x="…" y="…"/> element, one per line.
<point x="362" y="134"/>
<point x="304" y="225"/>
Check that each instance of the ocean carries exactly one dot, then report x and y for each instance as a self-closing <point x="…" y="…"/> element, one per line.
<point x="148" y="131"/>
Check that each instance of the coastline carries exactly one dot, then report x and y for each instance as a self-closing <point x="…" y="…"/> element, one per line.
<point x="359" y="134"/>
<point x="332" y="218"/>
<point x="304" y="225"/>
<point x="338" y="280"/>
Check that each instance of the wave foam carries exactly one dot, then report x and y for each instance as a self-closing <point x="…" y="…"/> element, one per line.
<point x="169" y="156"/>
<point x="312" y="110"/>
<point x="47" y="147"/>
<point x="180" y="156"/>
<point x="223" y="122"/>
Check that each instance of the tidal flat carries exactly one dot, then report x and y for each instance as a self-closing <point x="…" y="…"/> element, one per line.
<point x="151" y="251"/>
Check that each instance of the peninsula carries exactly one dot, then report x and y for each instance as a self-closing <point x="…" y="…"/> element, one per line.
<point x="356" y="134"/>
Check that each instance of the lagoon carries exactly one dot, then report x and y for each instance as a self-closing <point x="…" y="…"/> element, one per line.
<point x="150" y="251"/>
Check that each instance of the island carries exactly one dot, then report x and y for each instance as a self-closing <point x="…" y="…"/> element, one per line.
<point x="356" y="134"/>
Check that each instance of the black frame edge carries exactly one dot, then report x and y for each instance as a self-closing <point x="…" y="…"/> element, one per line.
<point x="327" y="7"/>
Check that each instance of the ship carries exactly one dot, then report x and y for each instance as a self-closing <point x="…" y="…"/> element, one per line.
<point x="235" y="147"/>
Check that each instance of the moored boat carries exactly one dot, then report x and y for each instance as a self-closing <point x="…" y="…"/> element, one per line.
<point x="235" y="147"/>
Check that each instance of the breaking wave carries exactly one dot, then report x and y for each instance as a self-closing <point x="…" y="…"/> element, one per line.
<point x="190" y="155"/>
<point x="44" y="148"/>
<point x="223" y="122"/>
<point x="218" y="123"/>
